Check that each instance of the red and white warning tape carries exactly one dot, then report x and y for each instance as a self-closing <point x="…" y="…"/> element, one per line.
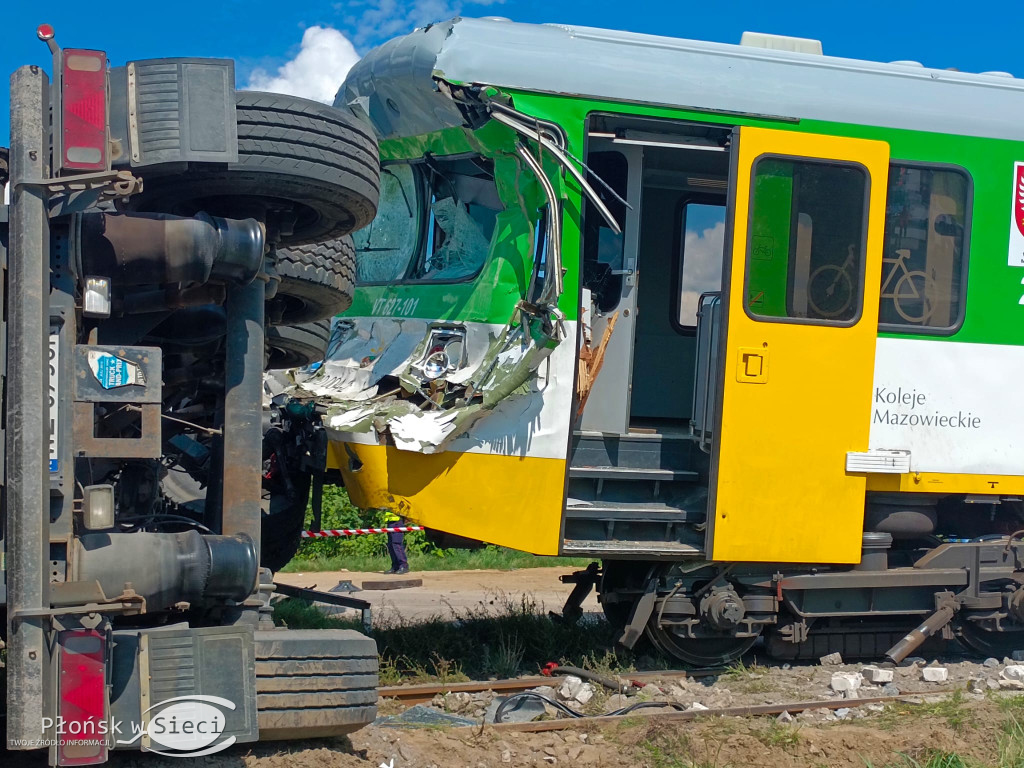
<point x="359" y="531"/>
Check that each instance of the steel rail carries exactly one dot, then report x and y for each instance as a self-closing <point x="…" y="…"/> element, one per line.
<point x="675" y="717"/>
<point x="421" y="694"/>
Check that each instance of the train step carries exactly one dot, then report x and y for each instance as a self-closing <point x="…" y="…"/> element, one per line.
<point x="633" y="473"/>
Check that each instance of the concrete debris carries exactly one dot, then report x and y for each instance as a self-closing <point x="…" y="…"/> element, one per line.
<point x="846" y="681"/>
<point x="457" y="702"/>
<point x="696" y="707"/>
<point x="990" y="662"/>
<point x="936" y="674"/>
<point x="1013" y="672"/>
<point x="575" y="690"/>
<point x="843" y="713"/>
<point x="831" y="660"/>
<point x="1011" y="685"/>
<point x="889" y="689"/>
<point x="784" y="718"/>
<point x="992" y="684"/>
<point x="877" y="675"/>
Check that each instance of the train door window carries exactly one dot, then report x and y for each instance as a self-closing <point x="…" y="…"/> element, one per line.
<point x="924" y="261"/>
<point x="603" y="249"/>
<point x="808" y="221"/>
<point x="702" y="246"/>
<point x="385" y="247"/>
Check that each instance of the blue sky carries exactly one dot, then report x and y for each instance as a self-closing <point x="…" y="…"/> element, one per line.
<point x="263" y="36"/>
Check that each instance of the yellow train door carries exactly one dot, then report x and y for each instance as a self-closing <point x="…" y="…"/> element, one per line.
<point x="801" y="302"/>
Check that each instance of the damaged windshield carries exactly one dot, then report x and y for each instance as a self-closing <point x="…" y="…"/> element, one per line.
<point x="385" y="248"/>
<point x="434" y="222"/>
<point x="464" y="204"/>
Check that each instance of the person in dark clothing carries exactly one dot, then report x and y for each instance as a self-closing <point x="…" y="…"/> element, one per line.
<point x="396" y="544"/>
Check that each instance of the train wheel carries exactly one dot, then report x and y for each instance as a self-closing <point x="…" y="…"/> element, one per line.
<point x="717" y="650"/>
<point x="700" y="652"/>
<point x="989" y="643"/>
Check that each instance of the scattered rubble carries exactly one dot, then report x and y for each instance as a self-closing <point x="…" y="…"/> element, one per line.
<point x="936" y="674"/>
<point x="574" y="690"/>
<point x="831" y="660"/>
<point x="877" y="675"/>
<point x="846" y="681"/>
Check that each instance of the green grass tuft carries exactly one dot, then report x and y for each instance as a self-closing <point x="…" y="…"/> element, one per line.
<point x="518" y="638"/>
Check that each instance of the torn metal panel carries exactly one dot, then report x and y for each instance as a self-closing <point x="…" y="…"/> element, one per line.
<point x="420" y="385"/>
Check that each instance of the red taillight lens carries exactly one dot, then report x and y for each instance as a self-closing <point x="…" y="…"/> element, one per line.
<point x="84" y="110"/>
<point x="82" y="698"/>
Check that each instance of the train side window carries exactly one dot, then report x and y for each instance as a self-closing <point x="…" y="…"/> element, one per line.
<point x="806" y="252"/>
<point x="603" y="250"/>
<point x="701" y="248"/>
<point x="924" y="261"/>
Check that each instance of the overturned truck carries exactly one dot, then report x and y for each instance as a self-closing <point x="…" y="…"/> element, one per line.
<point x="737" y="321"/>
<point x="163" y="248"/>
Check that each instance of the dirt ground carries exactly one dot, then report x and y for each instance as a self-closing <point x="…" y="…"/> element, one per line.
<point x="973" y="713"/>
<point x="445" y="591"/>
<point x="878" y="739"/>
<point x="970" y="714"/>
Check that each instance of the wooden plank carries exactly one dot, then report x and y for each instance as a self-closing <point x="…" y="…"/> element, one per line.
<point x="392" y="584"/>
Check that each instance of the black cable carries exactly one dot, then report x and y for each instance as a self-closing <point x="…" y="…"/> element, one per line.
<point x="505" y="705"/>
<point x="594" y="677"/>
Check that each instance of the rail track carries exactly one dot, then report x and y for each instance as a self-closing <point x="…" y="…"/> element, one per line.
<point x="792" y="707"/>
<point x="422" y="694"/>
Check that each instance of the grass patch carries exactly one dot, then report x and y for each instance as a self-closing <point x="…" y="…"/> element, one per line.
<point x="669" y="748"/>
<point x="516" y="639"/>
<point x="750" y="678"/>
<point x="779" y="735"/>
<point x="1011" y="740"/>
<point x="932" y="760"/>
<point x="952" y="709"/>
<point x="488" y="558"/>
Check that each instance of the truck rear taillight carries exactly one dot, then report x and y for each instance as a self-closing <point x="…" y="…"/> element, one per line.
<point x="83" y="110"/>
<point x="82" y="724"/>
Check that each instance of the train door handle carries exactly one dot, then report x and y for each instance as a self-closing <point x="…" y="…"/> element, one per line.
<point x="752" y="365"/>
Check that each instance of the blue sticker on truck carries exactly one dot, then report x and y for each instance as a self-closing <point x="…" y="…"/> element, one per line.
<point x="112" y="371"/>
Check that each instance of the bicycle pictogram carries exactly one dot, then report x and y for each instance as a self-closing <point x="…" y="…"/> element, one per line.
<point x="831" y="289"/>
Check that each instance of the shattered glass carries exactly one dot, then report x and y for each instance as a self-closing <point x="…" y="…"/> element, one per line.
<point x="385" y="247"/>
<point x="463" y="239"/>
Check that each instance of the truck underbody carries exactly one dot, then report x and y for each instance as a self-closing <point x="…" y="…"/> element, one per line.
<point x="181" y="239"/>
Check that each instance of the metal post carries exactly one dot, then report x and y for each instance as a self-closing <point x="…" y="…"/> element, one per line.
<point x="243" y="412"/>
<point x="28" y="483"/>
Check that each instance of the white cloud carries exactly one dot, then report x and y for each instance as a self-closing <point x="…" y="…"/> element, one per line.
<point x="702" y="268"/>
<point x="375" y="21"/>
<point x="317" y="71"/>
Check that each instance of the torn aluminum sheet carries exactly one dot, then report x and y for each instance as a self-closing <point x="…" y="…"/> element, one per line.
<point x="499" y="364"/>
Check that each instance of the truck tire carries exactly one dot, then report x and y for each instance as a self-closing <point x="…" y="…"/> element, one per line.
<point x="309" y="171"/>
<point x="282" y="522"/>
<point x="316" y="282"/>
<point x="312" y="683"/>
<point x="295" y="346"/>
